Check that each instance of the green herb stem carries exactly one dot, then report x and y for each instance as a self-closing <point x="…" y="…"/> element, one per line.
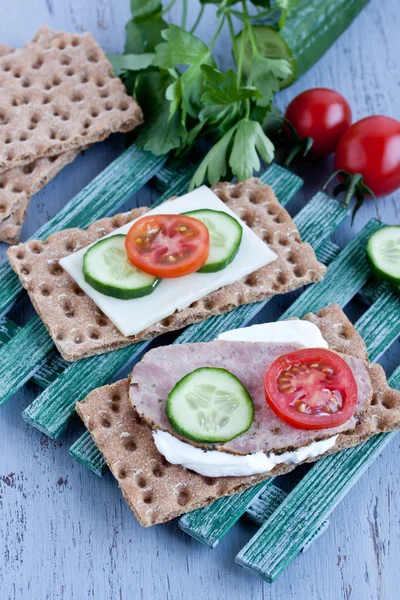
<point x="216" y="34"/>
<point x="168" y="7"/>
<point x="184" y="13"/>
<point x="233" y="37"/>
<point x="197" y="21"/>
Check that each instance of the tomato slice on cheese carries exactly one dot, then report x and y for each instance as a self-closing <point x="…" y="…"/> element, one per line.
<point x="312" y="388"/>
<point x="168" y="245"/>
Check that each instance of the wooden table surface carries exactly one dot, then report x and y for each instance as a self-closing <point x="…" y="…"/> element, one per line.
<point x="65" y="533"/>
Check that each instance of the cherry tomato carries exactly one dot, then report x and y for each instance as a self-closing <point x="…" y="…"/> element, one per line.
<point x="168" y="245"/>
<point x="371" y="147"/>
<point x="311" y="389"/>
<point x="320" y="114"/>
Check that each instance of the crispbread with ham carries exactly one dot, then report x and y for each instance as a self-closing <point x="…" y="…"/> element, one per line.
<point x="161" y="368"/>
<point x="157" y="491"/>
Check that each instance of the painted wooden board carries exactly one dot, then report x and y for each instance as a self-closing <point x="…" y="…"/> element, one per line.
<point x="67" y="534"/>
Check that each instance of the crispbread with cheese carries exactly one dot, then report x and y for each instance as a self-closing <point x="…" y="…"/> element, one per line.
<point x="78" y="327"/>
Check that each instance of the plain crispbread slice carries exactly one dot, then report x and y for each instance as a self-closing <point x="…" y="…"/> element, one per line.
<point x="17" y="185"/>
<point x="79" y="329"/>
<point x="58" y="94"/>
<point x="157" y="491"/>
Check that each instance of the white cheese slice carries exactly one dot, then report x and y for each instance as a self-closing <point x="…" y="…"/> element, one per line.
<point x="133" y="316"/>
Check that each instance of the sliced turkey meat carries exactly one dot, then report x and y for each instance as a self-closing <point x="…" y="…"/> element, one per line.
<point x="155" y="376"/>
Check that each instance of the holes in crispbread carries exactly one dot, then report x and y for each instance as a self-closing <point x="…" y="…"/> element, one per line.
<point x="26" y="82"/>
<point x="25" y="269"/>
<point x="101" y="320"/>
<point x="129" y="443"/>
<point x="17" y="188"/>
<point x="183" y="496"/>
<point x="93" y="333"/>
<point x="157" y="471"/>
<point x="65" y="60"/>
<point x="209" y="480"/>
<point x="209" y="304"/>
<point x="148" y="498"/>
<point x="20" y="255"/>
<point x="67" y="307"/>
<point x="55" y="269"/>
<point x="268" y="237"/>
<point x="84" y="78"/>
<point x="93" y="57"/>
<point x="105" y="422"/>
<point x="38" y="63"/>
<point x="36" y="247"/>
<point x="167" y="321"/>
<point x="123" y="105"/>
<point x="234" y="193"/>
<point x="77" y="97"/>
<point x="75" y="42"/>
<point x="141" y="481"/>
<point x="122" y="473"/>
<point x="255" y="198"/>
<point x="282" y="278"/>
<point x="299" y="271"/>
<point x="104" y="93"/>
<point x="251" y="280"/>
<point x="45" y="289"/>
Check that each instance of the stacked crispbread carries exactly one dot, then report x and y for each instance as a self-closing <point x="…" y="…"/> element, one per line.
<point x="157" y="491"/>
<point x="58" y="95"/>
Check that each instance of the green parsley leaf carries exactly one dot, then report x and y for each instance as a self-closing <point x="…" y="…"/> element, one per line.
<point x="174" y="95"/>
<point x="214" y="164"/>
<point x="249" y="142"/>
<point x="143" y="9"/>
<point x="159" y="134"/>
<point x="266" y="74"/>
<point x="130" y="62"/>
<point x="183" y="48"/>
<point x="222" y="88"/>
<point x="144" y="36"/>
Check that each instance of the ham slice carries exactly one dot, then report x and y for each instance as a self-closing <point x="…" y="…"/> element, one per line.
<point x="160" y="369"/>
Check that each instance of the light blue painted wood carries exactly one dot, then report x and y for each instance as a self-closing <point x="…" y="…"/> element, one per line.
<point x="65" y="534"/>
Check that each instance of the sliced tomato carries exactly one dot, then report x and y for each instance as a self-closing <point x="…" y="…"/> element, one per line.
<point x="168" y="245"/>
<point x="311" y="389"/>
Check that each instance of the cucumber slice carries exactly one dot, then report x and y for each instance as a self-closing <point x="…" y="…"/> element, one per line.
<point x="225" y="237"/>
<point x="106" y="268"/>
<point x="270" y="45"/>
<point x="210" y="405"/>
<point x="383" y="251"/>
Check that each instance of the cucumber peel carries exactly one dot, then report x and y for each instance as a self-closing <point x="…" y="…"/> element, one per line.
<point x="225" y="238"/>
<point x="383" y="252"/>
<point x="106" y="268"/>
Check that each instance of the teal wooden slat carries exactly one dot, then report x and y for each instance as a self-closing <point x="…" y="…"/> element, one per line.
<point x="278" y="541"/>
<point x="85" y="452"/>
<point x="55" y="406"/>
<point x="213" y="517"/>
<point x="7" y="330"/>
<point x="28" y="347"/>
<point x="267" y="502"/>
<point x="120" y="180"/>
<point x="57" y="402"/>
<point x="352" y="258"/>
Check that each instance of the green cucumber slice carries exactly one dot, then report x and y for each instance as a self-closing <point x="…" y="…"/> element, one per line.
<point x="106" y="268"/>
<point x="270" y="45"/>
<point x="210" y="405"/>
<point x="383" y="251"/>
<point x="225" y="238"/>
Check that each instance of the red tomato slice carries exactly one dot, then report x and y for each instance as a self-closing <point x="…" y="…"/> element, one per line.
<point x="168" y="245"/>
<point x="311" y="389"/>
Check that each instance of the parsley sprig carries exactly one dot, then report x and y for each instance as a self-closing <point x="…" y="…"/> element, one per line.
<point x="186" y="98"/>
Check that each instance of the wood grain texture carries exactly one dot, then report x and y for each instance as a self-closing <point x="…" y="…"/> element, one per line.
<point x="67" y="534"/>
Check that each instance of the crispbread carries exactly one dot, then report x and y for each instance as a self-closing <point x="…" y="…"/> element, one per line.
<point x="17" y="185"/>
<point x="58" y="94"/>
<point x="79" y="329"/>
<point x="157" y="491"/>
